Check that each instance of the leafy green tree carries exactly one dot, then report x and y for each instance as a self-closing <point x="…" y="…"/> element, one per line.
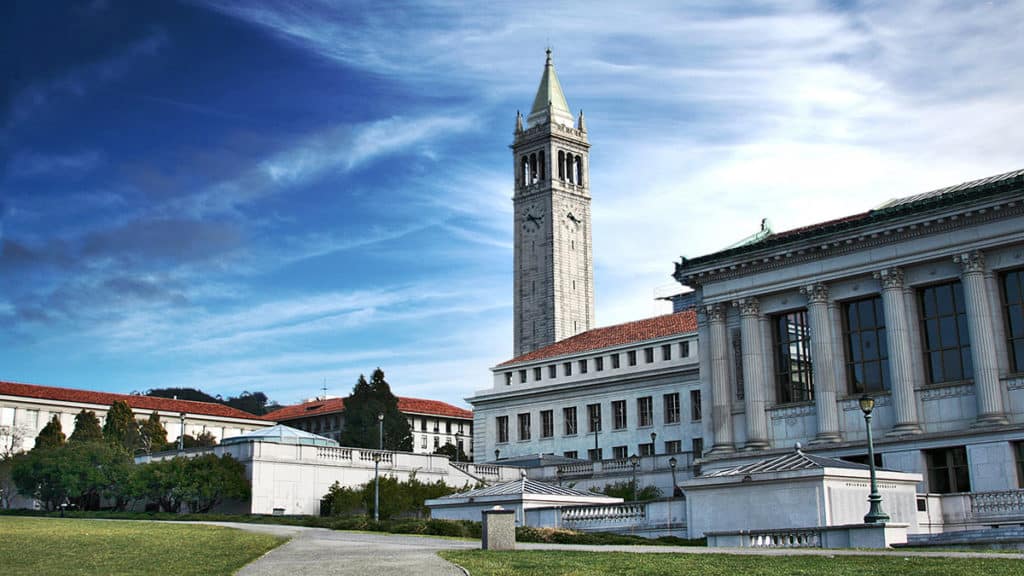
<point x="368" y="399"/>
<point x="624" y="490"/>
<point x="342" y="500"/>
<point x="87" y="428"/>
<point x="453" y="452"/>
<point x="81" y="473"/>
<point x="211" y="480"/>
<point x="162" y="482"/>
<point x="51" y="436"/>
<point x="184" y="394"/>
<point x="121" y="428"/>
<point x="204" y="440"/>
<point x="152" y="434"/>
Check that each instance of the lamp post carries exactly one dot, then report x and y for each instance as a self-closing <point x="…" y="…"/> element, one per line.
<point x="875" y="514"/>
<point x="376" y="467"/>
<point x="497" y="454"/>
<point x="594" y="422"/>
<point x="672" y="462"/>
<point x="633" y="461"/>
<point x="181" y="433"/>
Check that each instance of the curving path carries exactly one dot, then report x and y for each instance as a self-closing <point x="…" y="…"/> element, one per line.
<point x="328" y="552"/>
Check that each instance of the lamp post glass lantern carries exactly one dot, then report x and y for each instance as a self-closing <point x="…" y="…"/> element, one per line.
<point x="875" y="513"/>
<point x="376" y="467"/>
<point x="672" y="463"/>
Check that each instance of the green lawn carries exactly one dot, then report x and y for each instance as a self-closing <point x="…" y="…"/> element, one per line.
<point x="72" y="546"/>
<point x="564" y="563"/>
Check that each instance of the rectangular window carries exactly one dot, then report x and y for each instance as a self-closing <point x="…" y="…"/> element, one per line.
<point x="594" y="417"/>
<point x="684" y="349"/>
<point x="673" y="446"/>
<point x="437" y="442"/>
<point x="697" y="445"/>
<point x="423" y="426"/>
<point x="792" y="342"/>
<point x="552" y="371"/>
<point x="547" y="423"/>
<point x="569" y="420"/>
<point x="666" y="352"/>
<point x="645" y="411"/>
<point x="946" y="341"/>
<point x="501" y="423"/>
<point x="632" y="357"/>
<point x="648" y="355"/>
<point x="508" y="378"/>
<point x="619" y="414"/>
<point x="620" y="452"/>
<point x="583" y="366"/>
<point x="437" y="427"/>
<point x="1013" y="297"/>
<point x="867" y="353"/>
<point x="447" y="427"/>
<point x="571" y="454"/>
<point x="460" y="427"/>
<point x="647" y="449"/>
<point x="671" y="408"/>
<point x="536" y="374"/>
<point x="423" y="442"/>
<point x="599" y="363"/>
<point x="567" y="369"/>
<point x="594" y="454"/>
<point x="524" y="426"/>
<point x="522" y="376"/>
<point x="1018" y="450"/>
<point x="615" y="360"/>
<point x="947" y="470"/>
<point x="695" y="413"/>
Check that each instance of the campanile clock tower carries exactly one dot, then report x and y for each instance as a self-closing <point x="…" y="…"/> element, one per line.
<point x="554" y="266"/>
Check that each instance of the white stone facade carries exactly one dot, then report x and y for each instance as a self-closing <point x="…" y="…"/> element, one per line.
<point x="914" y="303"/>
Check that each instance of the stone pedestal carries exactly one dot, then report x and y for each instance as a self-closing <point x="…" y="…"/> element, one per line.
<point x="499" y="529"/>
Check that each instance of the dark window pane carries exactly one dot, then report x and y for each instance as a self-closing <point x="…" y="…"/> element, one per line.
<point x="958" y="297"/>
<point x="968" y="366"/>
<point x="869" y="346"/>
<point x="936" y="365"/>
<point x="1015" y="315"/>
<point x="873" y="376"/>
<point x="944" y="300"/>
<point x="851" y="318"/>
<point x="931" y="333"/>
<point x="867" y="314"/>
<point x="951" y="364"/>
<point x="948" y="332"/>
<point x="1012" y="286"/>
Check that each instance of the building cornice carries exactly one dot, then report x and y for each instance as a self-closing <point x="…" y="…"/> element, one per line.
<point x="866" y="234"/>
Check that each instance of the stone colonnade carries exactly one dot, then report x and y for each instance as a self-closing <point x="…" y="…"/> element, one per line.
<point x="824" y="356"/>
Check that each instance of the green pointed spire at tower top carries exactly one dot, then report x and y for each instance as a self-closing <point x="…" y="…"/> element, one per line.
<point x="549" y="93"/>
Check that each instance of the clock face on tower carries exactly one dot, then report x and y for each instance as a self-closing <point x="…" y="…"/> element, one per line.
<point x="533" y="218"/>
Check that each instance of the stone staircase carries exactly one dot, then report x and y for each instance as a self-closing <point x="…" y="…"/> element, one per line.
<point x="1003" y="537"/>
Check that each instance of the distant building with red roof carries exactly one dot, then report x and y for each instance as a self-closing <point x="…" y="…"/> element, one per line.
<point x="434" y="423"/>
<point x="26" y="408"/>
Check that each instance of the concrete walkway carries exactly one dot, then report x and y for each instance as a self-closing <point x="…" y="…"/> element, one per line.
<point x="321" y="551"/>
<point x="327" y="552"/>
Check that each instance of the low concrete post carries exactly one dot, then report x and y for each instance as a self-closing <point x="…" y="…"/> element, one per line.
<point x="499" y="529"/>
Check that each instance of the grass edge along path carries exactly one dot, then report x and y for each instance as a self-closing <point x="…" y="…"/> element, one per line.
<point x="76" y="546"/>
<point x="577" y="563"/>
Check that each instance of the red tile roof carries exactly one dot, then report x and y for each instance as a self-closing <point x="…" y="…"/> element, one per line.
<point x="333" y="405"/>
<point x="137" y="402"/>
<point x="618" y="335"/>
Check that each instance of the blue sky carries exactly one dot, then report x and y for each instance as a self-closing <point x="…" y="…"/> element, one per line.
<point x="246" y="196"/>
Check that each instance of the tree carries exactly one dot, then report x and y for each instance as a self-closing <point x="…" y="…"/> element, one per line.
<point x="51" y="435"/>
<point x="87" y="428"/>
<point x="202" y="482"/>
<point x="624" y="490"/>
<point x="368" y="399"/>
<point x="452" y="452"/>
<point x="253" y="403"/>
<point x="152" y="434"/>
<point x="184" y="394"/>
<point x="82" y="473"/>
<point x="162" y="482"/>
<point x="121" y="427"/>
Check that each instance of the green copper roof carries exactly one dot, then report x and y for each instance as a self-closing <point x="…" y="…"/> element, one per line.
<point x="550" y="90"/>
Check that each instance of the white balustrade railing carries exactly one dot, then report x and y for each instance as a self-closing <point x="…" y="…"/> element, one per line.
<point x="332" y="453"/>
<point x="367" y="456"/>
<point x="486" y="470"/>
<point x="797" y="538"/>
<point x="613" y="465"/>
<point x="1001" y="503"/>
<point x="579" y="468"/>
<point x="605" y="513"/>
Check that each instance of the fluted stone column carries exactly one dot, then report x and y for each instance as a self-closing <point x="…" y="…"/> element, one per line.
<point x="983" y="348"/>
<point x="822" y="363"/>
<point x="721" y="407"/>
<point x="897" y="340"/>
<point x="753" y="373"/>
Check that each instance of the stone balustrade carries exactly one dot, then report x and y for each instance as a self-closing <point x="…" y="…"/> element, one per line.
<point x="801" y="538"/>
<point x="332" y="453"/>
<point x="1001" y="504"/>
<point x="604" y="514"/>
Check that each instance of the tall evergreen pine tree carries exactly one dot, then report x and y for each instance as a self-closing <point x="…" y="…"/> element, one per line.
<point x="51" y="436"/>
<point x="87" y="427"/>
<point x="368" y="399"/>
<point x="121" y="428"/>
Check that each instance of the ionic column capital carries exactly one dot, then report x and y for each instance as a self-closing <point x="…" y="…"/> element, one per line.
<point x="816" y="293"/>
<point x="890" y="278"/>
<point x="971" y="262"/>
<point x="748" y="306"/>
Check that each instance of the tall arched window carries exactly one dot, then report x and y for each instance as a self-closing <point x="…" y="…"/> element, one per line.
<point x="533" y="168"/>
<point x="579" y="170"/>
<point x="569" y="161"/>
<point x="525" y="170"/>
<point x="540" y="165"/>
<point x="561" y="165"/>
